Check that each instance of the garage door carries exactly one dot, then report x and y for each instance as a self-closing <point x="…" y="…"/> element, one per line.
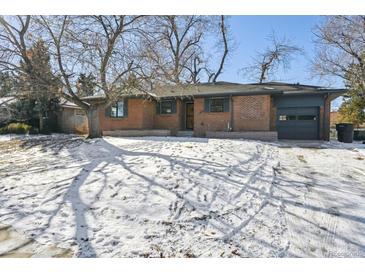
<point x="300" y="123"/>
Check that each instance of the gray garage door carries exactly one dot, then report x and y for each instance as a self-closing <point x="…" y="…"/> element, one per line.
<point x="300" y="123"/>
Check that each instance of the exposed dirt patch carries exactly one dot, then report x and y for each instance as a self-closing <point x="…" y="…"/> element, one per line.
<point x="301" y="158"/>
<point x="16" y="245"/>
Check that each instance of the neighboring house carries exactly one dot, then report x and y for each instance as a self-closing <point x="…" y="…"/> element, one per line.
<point x="335" y="118"/>
<point x="254" y="111"/>
<point x="5" y="113"/>
<point x="71" y="118"/>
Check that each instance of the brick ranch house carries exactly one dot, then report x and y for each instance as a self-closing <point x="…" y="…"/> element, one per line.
<point x="221" y="110"/>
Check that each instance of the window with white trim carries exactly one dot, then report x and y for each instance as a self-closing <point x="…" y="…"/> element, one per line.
<point x="117" y="110"/>
<point x="166" y="107"/>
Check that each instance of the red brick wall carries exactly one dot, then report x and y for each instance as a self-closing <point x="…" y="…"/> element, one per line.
<point x="251" y="113"/>
<point x="272" y="115"/>
<point x="138" y="118"/>
<point x="170" y="121"/>
<point x="208" y="121"/>
<point x="335" y="118"/>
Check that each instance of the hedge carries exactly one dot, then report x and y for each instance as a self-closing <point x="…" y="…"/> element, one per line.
<point x="17" y="128"/>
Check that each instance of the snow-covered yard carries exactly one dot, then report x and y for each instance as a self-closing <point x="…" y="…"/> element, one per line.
<point x="184" y="197"/>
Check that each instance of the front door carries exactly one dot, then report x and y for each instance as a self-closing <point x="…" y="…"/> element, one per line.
<point x="189" y="112"/>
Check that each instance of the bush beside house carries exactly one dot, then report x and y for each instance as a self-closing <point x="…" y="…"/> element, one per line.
<point x="16" y="128"/>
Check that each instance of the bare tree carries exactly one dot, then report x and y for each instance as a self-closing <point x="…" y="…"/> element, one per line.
<point x="178" y="50"/>
<point x="101" y="45"/>
<point x="224" y="40"/>
<point x="28" y="61"/>
<point x="106" y="46"/>
<point x="201" y="64"/>
<point x="340" y="47"/>
<point x="124" y="53"/>
<point x="277" y="55"/>
<point x="176" y="44"/>
<point x="14" y="44"/>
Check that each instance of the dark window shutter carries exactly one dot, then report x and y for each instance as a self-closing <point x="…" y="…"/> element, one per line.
<point x="226" y="105"/>
<point x="158" y="107"/>
<point x="173" y="106"/>
<point x="206" y="104"/>
<point x="108" y="111"/>
<point x="125" y="108"/>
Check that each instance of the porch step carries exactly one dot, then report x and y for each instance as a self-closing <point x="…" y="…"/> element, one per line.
<point x="137" y="132"/>
<point x="185" y="133"/>
<point x="268" y="136"/>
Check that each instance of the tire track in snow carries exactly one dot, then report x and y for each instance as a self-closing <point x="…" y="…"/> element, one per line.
<point x="266" y="160"/>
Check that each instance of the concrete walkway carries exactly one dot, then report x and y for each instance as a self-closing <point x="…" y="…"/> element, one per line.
<point x="16" y="245"/>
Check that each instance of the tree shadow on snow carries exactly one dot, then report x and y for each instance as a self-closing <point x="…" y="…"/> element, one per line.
<point x="105" y="154"/>
<point x="108" y="154"/>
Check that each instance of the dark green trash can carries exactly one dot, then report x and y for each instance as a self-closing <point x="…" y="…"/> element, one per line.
<point x="345" y="132"/>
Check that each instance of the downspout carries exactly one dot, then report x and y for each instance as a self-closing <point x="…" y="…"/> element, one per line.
<point x="324" y="131"/>
<point x="231" y="118"/>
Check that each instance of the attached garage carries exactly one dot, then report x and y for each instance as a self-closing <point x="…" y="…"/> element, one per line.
<point x="299" y="123"/>
<point x="299" y="117"/>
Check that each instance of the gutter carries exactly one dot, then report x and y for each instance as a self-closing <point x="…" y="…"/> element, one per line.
<point x="326" y="96"/>
<point x="338" y="93"/>
<point x="237" y="93"/>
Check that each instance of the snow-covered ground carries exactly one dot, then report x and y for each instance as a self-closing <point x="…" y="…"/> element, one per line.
<point x="184" y="197"/>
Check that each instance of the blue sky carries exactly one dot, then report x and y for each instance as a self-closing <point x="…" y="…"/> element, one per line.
<point x="250" y="33"/>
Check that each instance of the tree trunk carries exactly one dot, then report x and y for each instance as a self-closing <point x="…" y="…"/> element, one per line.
<point x="93" y="122"/>
<point x="40" y="117"/>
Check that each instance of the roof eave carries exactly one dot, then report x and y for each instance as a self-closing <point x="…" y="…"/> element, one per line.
<point x="339" y="92"/>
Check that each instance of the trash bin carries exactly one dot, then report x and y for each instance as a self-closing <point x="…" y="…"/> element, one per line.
<point x="345" y="132"/>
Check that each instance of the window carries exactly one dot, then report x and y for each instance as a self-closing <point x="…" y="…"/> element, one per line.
<point x="307" y="117"/>
<point x="166" y="107"/>
<point x="220" y="104"/>
<point x="298" y="117"/>
<point x="216" y="105"/>
<point x="118" y="110"/>
<point x="287" y="117"/>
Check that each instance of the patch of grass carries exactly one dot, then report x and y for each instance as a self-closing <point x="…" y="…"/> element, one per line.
<point x="301" y="158"/>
